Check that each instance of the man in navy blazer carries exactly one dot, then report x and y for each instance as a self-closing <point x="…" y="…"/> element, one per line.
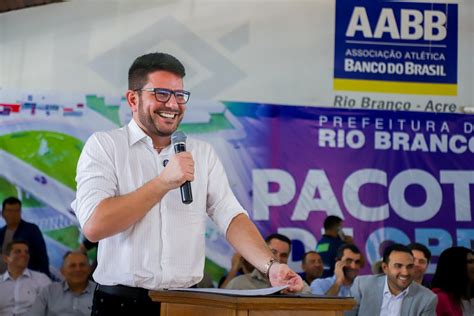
<point x="18" y="229"/>
<point x="394" y="292"/>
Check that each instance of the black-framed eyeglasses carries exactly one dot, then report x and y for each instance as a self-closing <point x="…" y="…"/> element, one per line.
<point x="163" y="94"/>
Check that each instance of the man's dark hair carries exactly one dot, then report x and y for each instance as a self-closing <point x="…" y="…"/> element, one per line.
<point x="331" y="221"/>
<point x="308" y="253"/>
<point x="279" y="237"/>
<point x="351" y="247"/>
<point x="395" y="247"/>
<point x="9" y="246"/>
<point x="146" y="64"/>
<point x="420" y="247"/>
<point x="10" y="200"/>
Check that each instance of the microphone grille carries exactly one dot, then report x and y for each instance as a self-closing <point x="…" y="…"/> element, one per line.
<point x="178" y="137"/>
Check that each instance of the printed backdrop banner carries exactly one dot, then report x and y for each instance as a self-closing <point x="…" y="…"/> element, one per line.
<point x="392" y="176"/>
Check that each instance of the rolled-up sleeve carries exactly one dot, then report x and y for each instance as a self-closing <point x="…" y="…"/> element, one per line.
<point x="222" y="205"/>
<point x="96" y="176"/>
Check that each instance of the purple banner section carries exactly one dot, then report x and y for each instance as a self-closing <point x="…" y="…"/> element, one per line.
<point x="392" y="176"/>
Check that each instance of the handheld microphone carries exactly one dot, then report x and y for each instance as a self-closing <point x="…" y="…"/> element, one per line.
<point x="179" y="143"/>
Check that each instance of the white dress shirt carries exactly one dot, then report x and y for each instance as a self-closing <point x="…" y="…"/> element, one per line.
<point x="17" y="296"/>
<point x="166" y="248"/>
<point x="392" y="304"/>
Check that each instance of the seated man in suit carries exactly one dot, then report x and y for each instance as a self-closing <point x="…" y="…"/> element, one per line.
<point x="394" y="292"/>
<point x="347" y="267"/>
<point x="17" y="229"/>
<point x="19" y="285"/>
<point x="73" y="296"/>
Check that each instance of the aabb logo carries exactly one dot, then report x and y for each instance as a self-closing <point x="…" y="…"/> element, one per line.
<point x="396" y="47"/>
<point x="429" y="25"/>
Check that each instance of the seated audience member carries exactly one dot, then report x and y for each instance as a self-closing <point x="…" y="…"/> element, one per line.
<point x="347" y="267"/>
<point x="19" y="285"/>
<point x="394" y="292"/>
<point x="422" y="256"/>
<point x="332" y="239"/>
<point x="18" y="229"/>
<point x="312" y="266"/>
<point x="280" y="246"/>
<point x="239" y="266"/>
<point x="451" y="281"/>
<point x="73" y="296"/>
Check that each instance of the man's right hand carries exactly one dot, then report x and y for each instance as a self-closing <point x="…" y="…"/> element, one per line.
<point x="339" y="271"/>
<point x="280" y="274"/>
<point x="179" y="169"/>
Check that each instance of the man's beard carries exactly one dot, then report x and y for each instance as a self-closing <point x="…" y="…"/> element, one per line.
<point x="149" y="124"/>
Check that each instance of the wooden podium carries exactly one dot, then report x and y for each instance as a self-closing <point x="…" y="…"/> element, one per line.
<point x="176" y="303"/>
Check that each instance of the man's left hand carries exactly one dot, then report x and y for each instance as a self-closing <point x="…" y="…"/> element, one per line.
<point x="280" y="274"/>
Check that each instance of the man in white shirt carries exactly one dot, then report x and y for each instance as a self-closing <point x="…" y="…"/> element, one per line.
<point x="129" y="199"/>
<point x="19" y="286"/>
<point x="393" y="293"/>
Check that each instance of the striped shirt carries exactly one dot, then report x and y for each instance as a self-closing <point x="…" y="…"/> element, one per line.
<point x="166" y="247"/>
<point x="58" y="300"/>
<point x="392" y="304"/>
<point x="17" y="296"/>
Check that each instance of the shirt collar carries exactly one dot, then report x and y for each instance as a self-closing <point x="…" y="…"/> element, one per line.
<point x="386" y="290"/>
<point x="135" y="132"/>
<point x="89" y="288"/>
<point x="6" y="275"/>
